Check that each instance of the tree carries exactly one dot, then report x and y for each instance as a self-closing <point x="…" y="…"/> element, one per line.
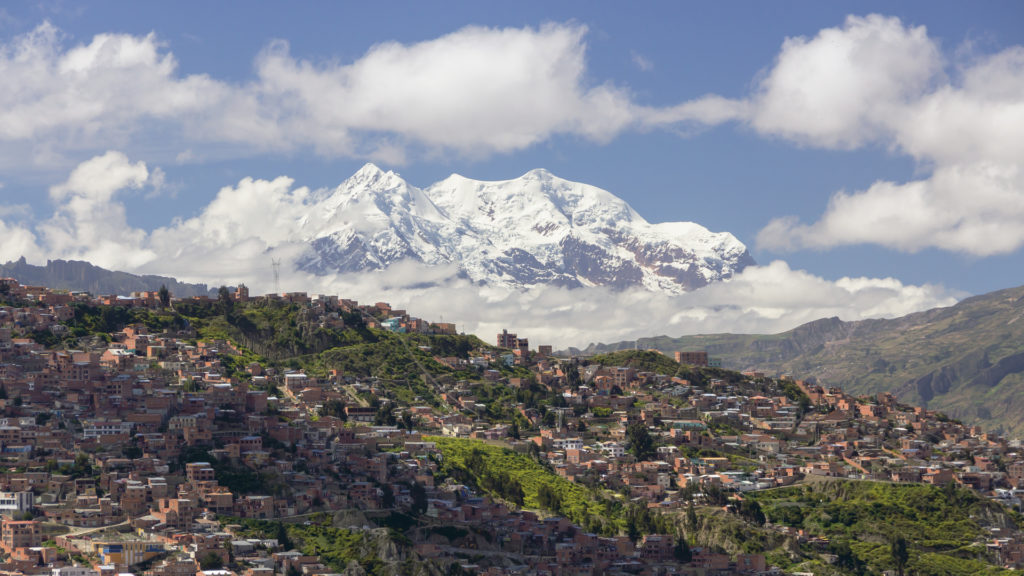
<point x="639" y="440"/>
<point x="691" y="518"/>
<point x="900" y="556"/>
<point x="681" y="551"/>
<point x="224" y="300"/>
<point x="572" y="377"/>
<point x="388" y="498"/>
<point x="165" y="296"/>
<point x="211" y="561"/>
<point x="845" y="558"/>
<point x="419" y="498"/>
<point x="548" y="498"/>
<point x="751" y="510"/>
<point x="282" y="537"/>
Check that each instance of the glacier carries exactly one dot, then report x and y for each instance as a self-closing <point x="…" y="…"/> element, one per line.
<point x="537" y="229"/>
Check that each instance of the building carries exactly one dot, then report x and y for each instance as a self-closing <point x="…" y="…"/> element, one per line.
<point x="98" y="428"/>
<point x="197" y="472"/>
<point x="20" y="534"/>
<point x="127" y="553"/>
<point x="11" y="502"/>
<point x="692" y="358"/>
<point x="507" y="340"/>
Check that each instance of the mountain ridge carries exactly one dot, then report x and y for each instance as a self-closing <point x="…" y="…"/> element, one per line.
<point x="966" y="360"/>
<point x="80" y="275"/>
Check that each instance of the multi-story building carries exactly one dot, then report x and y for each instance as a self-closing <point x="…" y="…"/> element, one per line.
<point x="692" y="358"/>
<point x="20" y="534"/>
<point x="11" y="502"/>
<point x="507" y="340"/>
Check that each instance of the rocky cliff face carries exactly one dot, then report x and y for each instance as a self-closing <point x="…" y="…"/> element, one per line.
<point x="78" y="275"/>
<point x="534" y="230"/>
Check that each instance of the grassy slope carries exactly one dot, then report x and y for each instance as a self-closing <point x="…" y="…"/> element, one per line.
<point x="278" y="333"/>
<point x="945" y="529"/>
<point x="577" y="502"/>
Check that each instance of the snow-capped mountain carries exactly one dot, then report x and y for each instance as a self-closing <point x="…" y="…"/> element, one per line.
<point x="536" y="229"/>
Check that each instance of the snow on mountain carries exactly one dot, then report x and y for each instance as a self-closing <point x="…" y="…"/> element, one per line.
<point x="536" y="229"/>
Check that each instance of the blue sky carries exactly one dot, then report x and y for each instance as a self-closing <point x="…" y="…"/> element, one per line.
<point x="928" y="113"/>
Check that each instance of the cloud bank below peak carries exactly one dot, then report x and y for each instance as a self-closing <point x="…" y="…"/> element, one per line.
<point x="234" y="238"/>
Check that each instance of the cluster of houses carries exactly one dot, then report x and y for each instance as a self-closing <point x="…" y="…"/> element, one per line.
<point x="132" y="451"/>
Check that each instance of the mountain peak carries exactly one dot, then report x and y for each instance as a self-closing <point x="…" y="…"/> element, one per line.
<point x="370" y="171"/>
<point x="538" y="174"/>
<point x="528" y="231"/>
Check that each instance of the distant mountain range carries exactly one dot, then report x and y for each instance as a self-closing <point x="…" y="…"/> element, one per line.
<point x="966" y="360"/>
<point x="78" y="275"/>
<point x="534" y="230"/>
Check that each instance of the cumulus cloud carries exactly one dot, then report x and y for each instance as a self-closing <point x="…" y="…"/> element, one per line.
<point x="476" y="91"/>
<point x="95" y="93"/>
<point x="977" y="209"/>
<point x="18" y="241"/>
<point x="479" y="88"/>
<point x="762" y="300"/>
<point x="873" y="81"/>
<point x="88" y="224"/>
<point x="246" y="226"/>
<point x="877" y="81"/>
<point x="846" y="86"/>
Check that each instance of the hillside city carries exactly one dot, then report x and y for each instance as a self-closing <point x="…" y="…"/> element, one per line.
<point x="164" y="436"/>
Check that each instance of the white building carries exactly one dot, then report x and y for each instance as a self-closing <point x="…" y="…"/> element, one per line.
<point x="16" y="501"/>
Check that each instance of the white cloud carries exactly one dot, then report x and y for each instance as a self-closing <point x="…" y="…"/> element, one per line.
<point x="877" y="81"/>
<point x="642" y="62"/>
<point x="88" y="224"/>
<point x="15" y="210"/>
<point x="235" y="237"/>
<point x="976" y="209"/>
<point x="18" y="241"/>
<point x="476" y="91"/>
<point x="763" y="299"/>
<point x="846" y="86"/>
<point x="92" y="94"/>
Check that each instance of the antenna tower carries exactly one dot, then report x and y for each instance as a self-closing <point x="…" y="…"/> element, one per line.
<point x="276" y="263"/>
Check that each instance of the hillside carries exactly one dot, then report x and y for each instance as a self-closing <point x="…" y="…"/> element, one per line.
<point x="945" y="529"/>
<point x="76" y="275"/>
<point x="519" y="479"/>
<point x="285" y="335"/>
<point x="966" y="360"/>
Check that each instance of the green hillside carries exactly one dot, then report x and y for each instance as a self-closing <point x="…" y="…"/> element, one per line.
<point x="285" y="336"/>
<point x="518" y="478"/>
<point x="945" y="529"/>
